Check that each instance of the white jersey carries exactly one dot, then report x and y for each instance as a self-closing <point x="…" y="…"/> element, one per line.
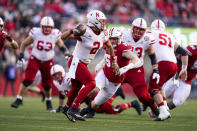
<point x="43" y="45"/>
<point x="141" y="45"/>
<point x="164" y="46"/>
<point x="64" y="86"/>
<point x="88" y="46"/>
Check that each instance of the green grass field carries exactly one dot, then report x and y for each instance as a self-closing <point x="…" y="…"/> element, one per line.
<point x="32" y="116"/>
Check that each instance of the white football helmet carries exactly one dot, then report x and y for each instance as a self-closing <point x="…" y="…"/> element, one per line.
<point x="158" y="25"/>
<point x="57" y="68"/>
<point x="115" y="33"/>
<point x="140" y="23"/>
<point x="96" y="18"/>
<point x="1" y="21"/>
<point x="139" y="27"/>
<point x="47" y="21"/>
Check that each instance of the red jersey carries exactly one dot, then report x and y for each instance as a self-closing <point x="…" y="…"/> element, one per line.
<point x="192" y="63"/>
<point x="108" y="70"/>
<point x="2" y="39"/>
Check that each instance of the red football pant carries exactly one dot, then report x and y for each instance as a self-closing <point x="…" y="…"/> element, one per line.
<point x="167" y="70"/>
<point x="83" y="77"/>
<point x="135" y="78"/>
<point x="32" y="68"/>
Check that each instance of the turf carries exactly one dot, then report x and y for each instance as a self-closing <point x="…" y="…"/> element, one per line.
<point x="32" y="116"/>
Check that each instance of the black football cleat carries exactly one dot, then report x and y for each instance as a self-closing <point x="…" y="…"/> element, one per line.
<point x="17" y="103"/>
<point x="49" y="105"/>
<point x="144" y="107"/>
<point x="43" y="96"/>
<point x="70" y="118"/>
<point x="120" y="93"/>
<point x="89" y="115"/>
<point x="135" y="104"/>
<point x="86" y="113"/>
<point x="75" y="113"/>
<point x="59" y="109"/>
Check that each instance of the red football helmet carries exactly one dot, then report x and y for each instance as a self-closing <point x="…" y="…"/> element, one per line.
<point x="138" y="28"/>
<point x="47" y="25"/>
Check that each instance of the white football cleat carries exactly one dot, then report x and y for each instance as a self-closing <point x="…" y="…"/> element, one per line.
<point x="163" y="115"/>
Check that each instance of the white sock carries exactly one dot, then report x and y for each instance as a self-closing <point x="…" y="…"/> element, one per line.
<point x="19" y="97"/>
<point x="48" y="98"/>
<point x="166" y="105"/>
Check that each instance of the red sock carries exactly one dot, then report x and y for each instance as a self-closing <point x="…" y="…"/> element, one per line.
<point x="164" y="98"/>
<point x="161" y="104"/>
<point x="83" y="94"/>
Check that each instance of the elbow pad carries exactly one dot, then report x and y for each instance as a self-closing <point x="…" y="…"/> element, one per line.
<point x="181" y="51"/>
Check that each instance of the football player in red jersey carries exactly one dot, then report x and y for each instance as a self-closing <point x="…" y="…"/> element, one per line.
<point x="106" y="80"/>
<point x="5" y="39"/>
<point x="44" y="40"/>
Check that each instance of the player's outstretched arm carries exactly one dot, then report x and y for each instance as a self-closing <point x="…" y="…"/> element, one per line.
<point x="111" y="53"/>
<point x="184" y="59"/>
<point x="62" y="47"/>
<point x="79" y="30"/>
<point x="134" y="64"/>
<point x="153" y="59"/>
<point x="28" y="41"/>
<point x="11" y="44"/>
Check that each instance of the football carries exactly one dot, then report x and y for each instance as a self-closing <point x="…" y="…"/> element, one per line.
<point x="79" y="30"/>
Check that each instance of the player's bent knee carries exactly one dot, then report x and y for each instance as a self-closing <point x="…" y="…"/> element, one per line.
<point x="47" y="88"/>
<point x="154" y="92"/>
<point x="178" y="102"/>
<point x="91" y="84"/>
<point x="27" y="83"/>
<point x="61" y="96"/>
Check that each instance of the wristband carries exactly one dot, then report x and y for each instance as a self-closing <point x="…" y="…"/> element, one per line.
<point x="156" y="70"/>
<point x="113" y="58"/>
<point x="21" y="55"/>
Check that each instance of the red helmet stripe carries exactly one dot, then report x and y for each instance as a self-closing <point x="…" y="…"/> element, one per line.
<point x="112" y="31"/>
<point x="141" y="22"/>
<point x="47" y="20"/>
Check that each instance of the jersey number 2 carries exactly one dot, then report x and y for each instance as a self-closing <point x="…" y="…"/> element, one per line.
<point x="97" y="46"/>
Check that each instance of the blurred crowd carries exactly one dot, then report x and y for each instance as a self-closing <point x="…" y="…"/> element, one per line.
<point x="21" y="15"/>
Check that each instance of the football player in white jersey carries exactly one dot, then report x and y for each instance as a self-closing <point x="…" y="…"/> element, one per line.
<point x="176" y="86"/>
<point x="90" y="38"/>
<point x="44" y="40"/>
<point x="165" y="48"/>
<point x="141" y="42"/>
<point x="62" y="83"/>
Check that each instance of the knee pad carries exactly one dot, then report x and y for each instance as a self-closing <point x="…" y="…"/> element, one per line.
<point x="154" y="92"/>
<point x="61" y="96"/>
<point x="27" y="83"/>
<point x="47" y="88"/>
